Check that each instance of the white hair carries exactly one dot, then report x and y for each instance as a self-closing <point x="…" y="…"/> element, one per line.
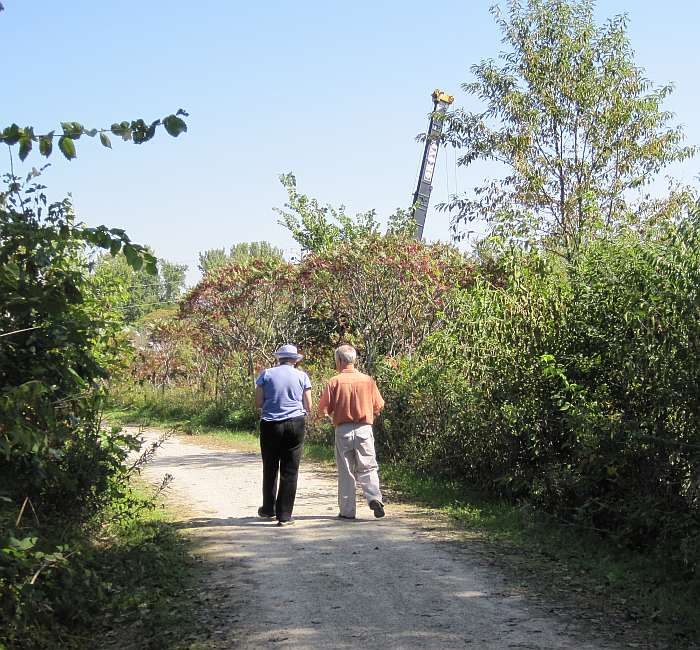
<point x="345" y="354"/>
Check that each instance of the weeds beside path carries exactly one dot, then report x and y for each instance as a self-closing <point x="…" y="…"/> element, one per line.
<point x="148" y="571"/>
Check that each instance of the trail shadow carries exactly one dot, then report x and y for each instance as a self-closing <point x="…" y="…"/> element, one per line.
<point x="237" y="522"/>
<point x="333" y="583"/>
<point x="213" y="460"/>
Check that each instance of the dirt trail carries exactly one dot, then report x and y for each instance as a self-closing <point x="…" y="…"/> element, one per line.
<point x="328" y="583"/>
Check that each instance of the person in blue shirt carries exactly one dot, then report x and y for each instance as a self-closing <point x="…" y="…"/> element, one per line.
<point x="283" y="395"/>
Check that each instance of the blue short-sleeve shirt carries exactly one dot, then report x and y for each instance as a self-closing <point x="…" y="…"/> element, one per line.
<point x="283" y="388"/>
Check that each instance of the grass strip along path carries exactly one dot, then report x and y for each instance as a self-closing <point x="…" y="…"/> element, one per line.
<point x="450" y="574"/>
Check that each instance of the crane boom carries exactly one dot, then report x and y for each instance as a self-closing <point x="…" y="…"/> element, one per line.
<point x="421" y="197"/>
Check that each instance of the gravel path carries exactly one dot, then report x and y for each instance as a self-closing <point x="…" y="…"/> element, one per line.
<point x="326" y="583"/>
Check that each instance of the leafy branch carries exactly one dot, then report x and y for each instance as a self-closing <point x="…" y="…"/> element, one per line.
<point x="136" y="131"/>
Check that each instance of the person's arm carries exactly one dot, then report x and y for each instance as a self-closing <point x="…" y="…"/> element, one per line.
<point x="377" y="399"/>
<point x="324" y="403"/>
<point x="259" y="392"/>
<point x="307" y="401"/>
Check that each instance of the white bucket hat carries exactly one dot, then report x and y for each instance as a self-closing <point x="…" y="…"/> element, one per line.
<point x="288" y="351"/>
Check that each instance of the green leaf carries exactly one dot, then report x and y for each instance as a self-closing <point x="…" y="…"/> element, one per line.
<point x="126" y="131"/>
<point x="150" y="264"/>
<point x="152" y="129"/>
<point x="11" y="134"/>
<point x="122" y="129"/>
<point x="104" y="139"/>
<point x="67" y="147"/>
<point x="72" y="129"/>
<point x="132" y="257"/>
<point x="46" y="144"/>
<point x="23" y="544"/>
<point x="174" y="125"/>
<point x="80" y="381"/>
<point x="25" y="146"/>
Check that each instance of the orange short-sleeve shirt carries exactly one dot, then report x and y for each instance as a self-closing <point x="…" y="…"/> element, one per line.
<point x="351" y="396"/>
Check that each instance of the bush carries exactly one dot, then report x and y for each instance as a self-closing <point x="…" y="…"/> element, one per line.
<point x="575" y="388"/>
<point x="58" y="469"/>
<point x="45" y="583"/>
<point x="132" y="574"/>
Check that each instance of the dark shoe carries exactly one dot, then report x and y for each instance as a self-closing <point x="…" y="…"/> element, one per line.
<point x="346" y="517"/>
<point x="285" y="522"/>
<point x="378" y="508"/>
<point x="265" y="515"/>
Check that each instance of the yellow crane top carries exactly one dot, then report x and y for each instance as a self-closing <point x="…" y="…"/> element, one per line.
<point x="440" y="96"/>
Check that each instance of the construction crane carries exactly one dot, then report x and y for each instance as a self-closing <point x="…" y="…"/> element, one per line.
<point x="421" y="197"/>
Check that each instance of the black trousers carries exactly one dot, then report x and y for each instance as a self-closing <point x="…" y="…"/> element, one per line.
<point x="281" y="444"/>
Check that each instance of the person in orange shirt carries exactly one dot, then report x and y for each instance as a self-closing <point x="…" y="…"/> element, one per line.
<point x="352" y="400"/>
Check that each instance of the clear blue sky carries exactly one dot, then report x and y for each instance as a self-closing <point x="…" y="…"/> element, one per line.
<point x="334" y="92"/>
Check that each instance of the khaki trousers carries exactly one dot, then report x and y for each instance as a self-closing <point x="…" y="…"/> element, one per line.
<point x="357" y="463"/>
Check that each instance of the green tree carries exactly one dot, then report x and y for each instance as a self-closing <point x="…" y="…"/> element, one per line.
<point x="246" y="251"/>
<point x="240" y="253"/>
<point x="318" y="228"/>
<point x="172" y="280"/>
<point x="573" y="119"/>
<point x="212" y="259"/>
<point x="142" y="292"/>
